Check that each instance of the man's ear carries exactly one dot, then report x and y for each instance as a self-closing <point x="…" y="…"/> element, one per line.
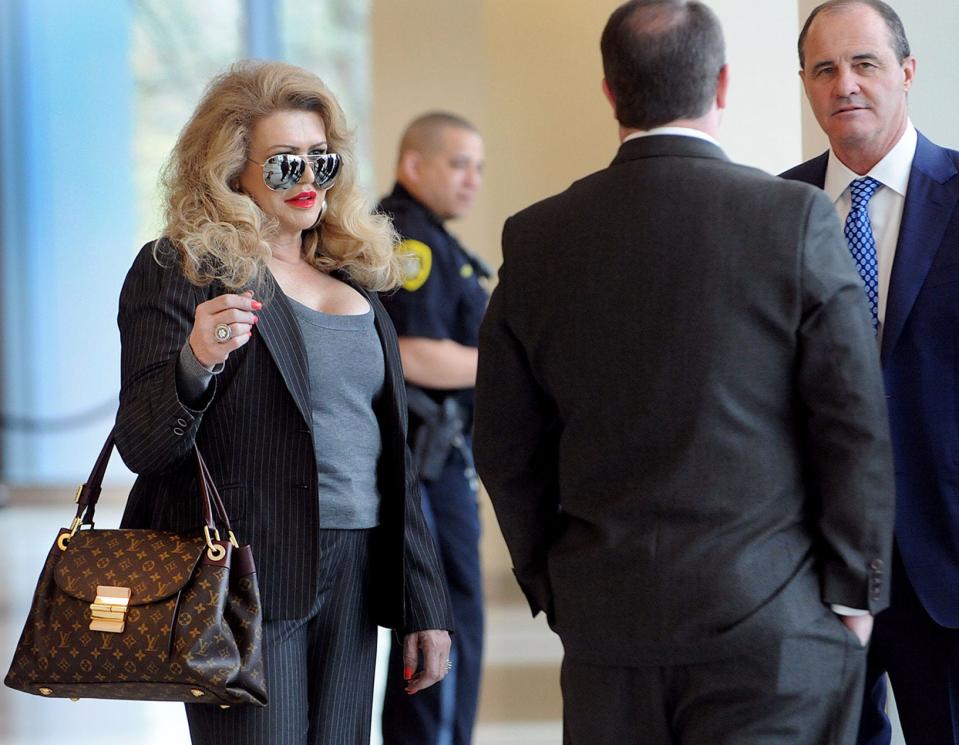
<point x="722" y="87"/>
<point x="609" y="95"/>
<point x="909" y="71"/>
<point x="408" y="168"/>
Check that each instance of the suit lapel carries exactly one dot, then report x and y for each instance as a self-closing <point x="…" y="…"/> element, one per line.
<point x="811" y="172"/>
<point x="281" y="333"/>
<point x="930" y="202"/>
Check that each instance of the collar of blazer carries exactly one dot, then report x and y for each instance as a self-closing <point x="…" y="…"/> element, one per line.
<point x="932" y="199"/>
<point x="280" y="332"/>
<point x="667" y="146"/>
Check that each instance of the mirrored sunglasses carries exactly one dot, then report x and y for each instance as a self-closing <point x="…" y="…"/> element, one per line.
<point x="285" y="170"/>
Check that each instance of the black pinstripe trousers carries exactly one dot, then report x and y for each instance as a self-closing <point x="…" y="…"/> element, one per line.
<point x="319" y="669"/>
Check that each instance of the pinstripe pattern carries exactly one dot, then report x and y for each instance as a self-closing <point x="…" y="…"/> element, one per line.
<point x="258" y="444"/>
<point x="338" y="638"/>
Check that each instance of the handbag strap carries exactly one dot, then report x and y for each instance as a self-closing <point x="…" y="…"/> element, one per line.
<point x="89" y="492"/>
<point x="212" y="493"/>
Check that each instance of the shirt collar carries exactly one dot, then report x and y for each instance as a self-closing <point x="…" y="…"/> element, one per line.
<point x="892" y="171"/>
<point x="679" y="131"/>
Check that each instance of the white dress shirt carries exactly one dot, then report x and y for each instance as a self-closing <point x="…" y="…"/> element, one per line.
<point x="885" y="207"/>
<point x="681" y="131"/>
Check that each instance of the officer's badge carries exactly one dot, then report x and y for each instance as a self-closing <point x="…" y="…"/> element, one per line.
<point x="466" y="271"/>
<point x="416" y="260"/>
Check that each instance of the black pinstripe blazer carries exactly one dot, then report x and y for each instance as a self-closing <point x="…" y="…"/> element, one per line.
<point x="253" y="428"/>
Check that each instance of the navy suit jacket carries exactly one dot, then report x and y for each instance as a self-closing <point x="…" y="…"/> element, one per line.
<point x="920" y="361"/>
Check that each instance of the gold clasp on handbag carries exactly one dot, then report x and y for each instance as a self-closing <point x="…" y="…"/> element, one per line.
<point x="214" y="551"/>
<point x="64" y="538"/>
<point x="109" y="609"/>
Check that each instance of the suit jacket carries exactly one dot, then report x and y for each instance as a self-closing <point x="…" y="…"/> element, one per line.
<point x="254" y="430"/>
<point x="920" y="364"/>
<point x="680" y="417"/>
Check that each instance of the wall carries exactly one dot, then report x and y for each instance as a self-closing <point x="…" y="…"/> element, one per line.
<point x="529" y="73"/>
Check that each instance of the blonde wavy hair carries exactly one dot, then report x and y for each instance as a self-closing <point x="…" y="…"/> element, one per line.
<point x="219" y="232"/>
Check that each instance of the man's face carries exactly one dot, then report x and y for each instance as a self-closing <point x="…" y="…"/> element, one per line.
<point x="855" y="83"/>
<point x="447" y="179"/>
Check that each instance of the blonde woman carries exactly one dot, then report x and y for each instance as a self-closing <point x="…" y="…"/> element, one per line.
<point x="252" y="329"/>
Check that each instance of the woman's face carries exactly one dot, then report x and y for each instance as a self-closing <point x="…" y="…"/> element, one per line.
<point x="299" y="133"/>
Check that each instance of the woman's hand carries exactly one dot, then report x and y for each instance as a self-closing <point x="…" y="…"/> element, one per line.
<point x="435" y="647"/>
<point x="233" y="311"/>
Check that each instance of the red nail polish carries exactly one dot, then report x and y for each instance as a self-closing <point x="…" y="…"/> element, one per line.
<point x="407" y="673"/>
<point x="256" y="319"/>
<point x="257" y="305"/>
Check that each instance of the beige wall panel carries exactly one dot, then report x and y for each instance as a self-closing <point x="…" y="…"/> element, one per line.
<point x="762" y="125"/>
<point x="932" y="27"/>
<point x="550" y="121"/>
<point x="427" y="54"/>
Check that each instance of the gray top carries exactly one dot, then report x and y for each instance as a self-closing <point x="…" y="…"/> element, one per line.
<point x="347" y="373"/>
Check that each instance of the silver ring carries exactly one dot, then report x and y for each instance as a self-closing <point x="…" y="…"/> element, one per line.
<point x="222" y="332"/>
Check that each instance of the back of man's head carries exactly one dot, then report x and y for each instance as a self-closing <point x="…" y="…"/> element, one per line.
<point x="661" y="59"/>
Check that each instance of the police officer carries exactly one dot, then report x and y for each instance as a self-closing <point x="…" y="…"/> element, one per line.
<point x="437" y="314"/>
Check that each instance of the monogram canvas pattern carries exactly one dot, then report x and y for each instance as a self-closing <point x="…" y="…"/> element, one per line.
<point x="192" y="633"/>
<point x="153" y="564"/>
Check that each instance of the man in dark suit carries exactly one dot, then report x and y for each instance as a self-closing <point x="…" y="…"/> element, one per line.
<point x="857" y="70"/>
<point x="680" y="421"/>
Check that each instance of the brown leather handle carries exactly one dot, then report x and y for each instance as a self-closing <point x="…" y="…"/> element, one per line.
<point x="212" y="493"/>
<point x="89" y="493"/>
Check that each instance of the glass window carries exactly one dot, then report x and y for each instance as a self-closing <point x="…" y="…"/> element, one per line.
<point x="177" y="46"/>
<point x="331" y="39"/>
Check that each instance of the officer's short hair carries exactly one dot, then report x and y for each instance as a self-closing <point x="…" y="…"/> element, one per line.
<point x="899" y="42"/>
<point x="661" y="59"/>
<point x="422" y="134"/>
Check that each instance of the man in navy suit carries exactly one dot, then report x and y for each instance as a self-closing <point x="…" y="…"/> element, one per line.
<point x="898" y="195"/>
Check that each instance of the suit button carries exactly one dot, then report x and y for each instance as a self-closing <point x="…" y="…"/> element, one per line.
<point x="181" y="422"/>
<point x="177" y="431"/>
<point x="877" y="565"/>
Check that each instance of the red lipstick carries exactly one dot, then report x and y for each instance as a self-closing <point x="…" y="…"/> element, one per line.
<point x="304" y="200"/>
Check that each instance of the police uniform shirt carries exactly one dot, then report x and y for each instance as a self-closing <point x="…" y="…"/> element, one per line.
<point x="442" y="297"/>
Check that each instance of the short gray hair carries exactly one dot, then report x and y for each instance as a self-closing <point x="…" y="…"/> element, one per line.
<point x="897" y="32"/>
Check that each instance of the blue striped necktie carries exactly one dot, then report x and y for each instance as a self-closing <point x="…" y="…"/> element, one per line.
<point x="862" y="242"/>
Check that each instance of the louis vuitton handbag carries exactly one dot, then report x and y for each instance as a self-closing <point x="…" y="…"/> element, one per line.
<point x="144" y="614"/>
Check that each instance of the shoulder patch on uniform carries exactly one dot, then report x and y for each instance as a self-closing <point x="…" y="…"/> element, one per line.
<point x="417" y="261"/>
